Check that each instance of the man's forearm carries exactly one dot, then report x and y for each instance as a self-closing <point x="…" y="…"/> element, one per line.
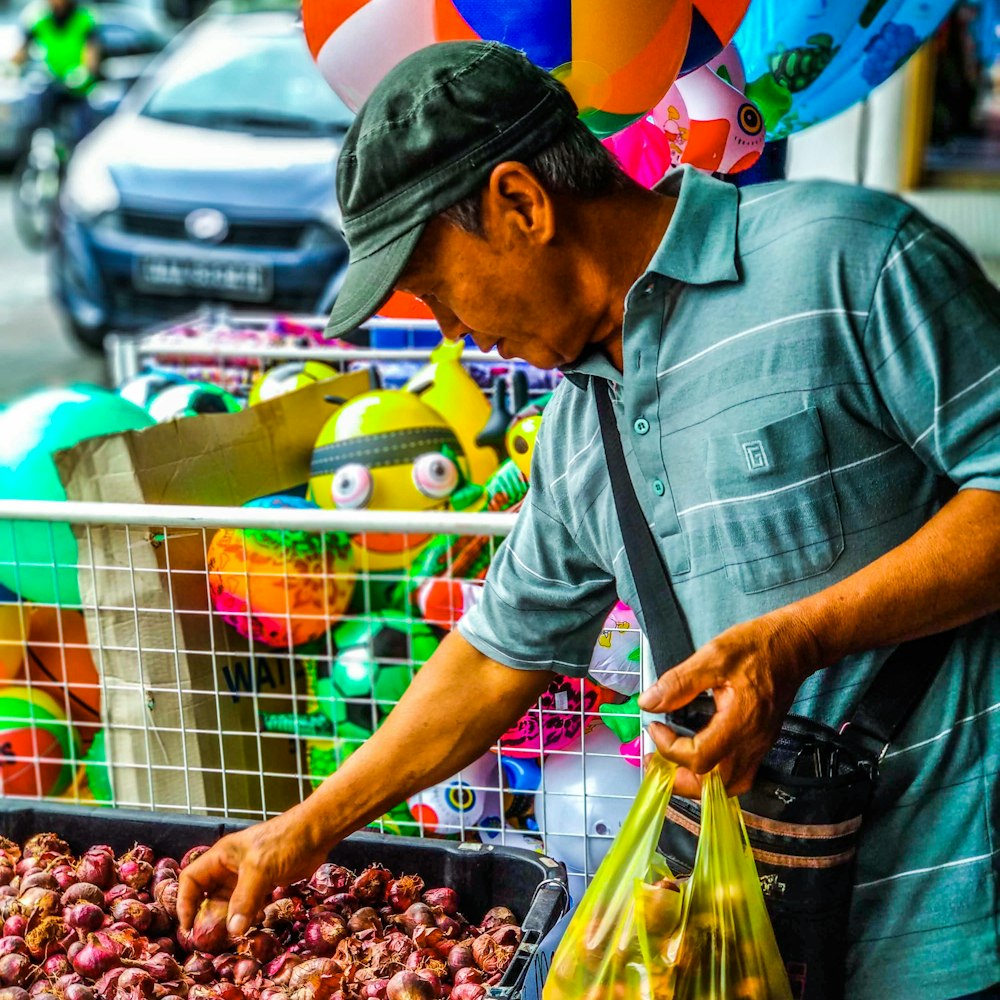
<point x="454" y="710"/>
<point x="946" y="574"/>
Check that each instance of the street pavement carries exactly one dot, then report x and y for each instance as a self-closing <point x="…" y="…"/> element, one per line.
<point x="35" y="350"/>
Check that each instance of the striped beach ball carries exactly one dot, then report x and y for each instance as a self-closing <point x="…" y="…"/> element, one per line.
<point x="616" y="58"/>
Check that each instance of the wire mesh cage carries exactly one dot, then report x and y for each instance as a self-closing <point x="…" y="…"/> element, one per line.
<point x="224" y="660"/>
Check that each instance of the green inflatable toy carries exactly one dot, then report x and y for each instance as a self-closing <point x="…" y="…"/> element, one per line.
<point x="38" y="559"/>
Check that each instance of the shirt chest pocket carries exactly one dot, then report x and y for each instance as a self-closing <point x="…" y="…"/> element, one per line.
<point x="774" y="504"/>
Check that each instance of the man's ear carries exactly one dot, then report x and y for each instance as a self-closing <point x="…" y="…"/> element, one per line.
<point x="516" y="207"/>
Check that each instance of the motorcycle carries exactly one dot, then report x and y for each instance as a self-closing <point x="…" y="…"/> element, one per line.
<point x="38" y="177"/>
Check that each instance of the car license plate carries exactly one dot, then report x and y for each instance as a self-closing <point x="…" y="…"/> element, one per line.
<point x="178" y="275"/>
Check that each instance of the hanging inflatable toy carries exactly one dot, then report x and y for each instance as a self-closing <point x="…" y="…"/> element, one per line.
<point x="523" y="433"/>
<point x="448" y="389"/>
<point x="38" y="560"/>
<point x="387" y="450"/>
<point x="142" y="388"/>
<point x="373" y="661"/>
<point x="39" y="744"/>
<point x="617" y="59"/>
<point x="60" y="662"/>
<point x="287" y="378"/>
<point x="704" y="120"/>
<point x="626" y="723"/>
<point x="13" y="630"/>
<point x="282" y="588"/>
<point x="807" y="62"/>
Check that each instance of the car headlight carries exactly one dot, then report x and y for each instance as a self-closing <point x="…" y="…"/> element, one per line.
<point x="89" y="190"/>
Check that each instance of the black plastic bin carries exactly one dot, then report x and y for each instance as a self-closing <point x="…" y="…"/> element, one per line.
<point x="534" y="887"/>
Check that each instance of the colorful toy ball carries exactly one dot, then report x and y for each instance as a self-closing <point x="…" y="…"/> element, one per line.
<point x="191" y="399"/>
<point x="60" y="663"/>
<point x="141" y="389"/>
<point x="563" y="709"/>
<point x="289" y="377"/>
<point x="617" y="59"/>
<point x="462" y="801"/>
<point x="280" y="588"/>
<point x="38" y="560"/>
<point x="586" y="793"/>
<point x="37" y="744"/>
<point x="13" y="627"/>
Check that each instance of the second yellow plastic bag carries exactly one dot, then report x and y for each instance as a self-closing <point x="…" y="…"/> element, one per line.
<point x="641" y="934"/>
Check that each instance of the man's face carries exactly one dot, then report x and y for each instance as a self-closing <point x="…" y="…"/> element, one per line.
<point x="519" y="294"/>
<point x="59" y="6"/>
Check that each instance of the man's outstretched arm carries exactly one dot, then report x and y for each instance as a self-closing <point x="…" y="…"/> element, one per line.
<point x="456" y="708"/>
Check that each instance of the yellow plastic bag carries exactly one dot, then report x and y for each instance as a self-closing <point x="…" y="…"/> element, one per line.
<point x="640" y="934"/>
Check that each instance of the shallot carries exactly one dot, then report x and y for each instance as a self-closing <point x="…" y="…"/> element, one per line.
<point x="209" y="930"/>
<point x="409" y="986"/>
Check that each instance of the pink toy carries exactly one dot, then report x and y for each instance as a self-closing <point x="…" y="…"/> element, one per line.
<point x="704" y="120"/>
<point x="556" y="721"/>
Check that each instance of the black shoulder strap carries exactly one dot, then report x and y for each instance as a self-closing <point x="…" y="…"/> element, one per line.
<point x="666" y="628"/>
<point x="891" y="697"/>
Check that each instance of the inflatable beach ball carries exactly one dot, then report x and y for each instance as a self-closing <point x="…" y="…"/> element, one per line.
<point x="39" y="560"/>
<point x="616" y="58"/>
<point x="287" y="378"/>
<point x="281" y="588"/>
<point x="191" y="399"/>
<point x="37" y="744"/>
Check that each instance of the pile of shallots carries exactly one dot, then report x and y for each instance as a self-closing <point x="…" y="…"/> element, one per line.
<point x="103" y="927"/>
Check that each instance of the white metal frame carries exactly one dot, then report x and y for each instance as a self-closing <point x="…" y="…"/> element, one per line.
<point x="141" y="522"/>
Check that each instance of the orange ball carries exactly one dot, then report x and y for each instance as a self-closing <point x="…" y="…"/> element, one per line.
<point x="281" y="588"/>
<point x="60" y="663"/>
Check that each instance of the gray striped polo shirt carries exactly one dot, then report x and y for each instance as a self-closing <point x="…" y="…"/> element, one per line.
<point x="810" y="371"/>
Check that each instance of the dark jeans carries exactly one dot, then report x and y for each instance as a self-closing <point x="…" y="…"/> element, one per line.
<point x="67" y="112"/>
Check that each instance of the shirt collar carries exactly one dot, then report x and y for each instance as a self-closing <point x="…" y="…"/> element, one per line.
<point x="698" y="248"/>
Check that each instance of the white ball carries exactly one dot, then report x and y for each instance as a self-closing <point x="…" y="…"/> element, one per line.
<point x="587" y="791"/>
<point x="463" y="800"/>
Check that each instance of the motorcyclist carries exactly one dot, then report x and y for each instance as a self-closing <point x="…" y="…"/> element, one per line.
<point x="62" y="34"/>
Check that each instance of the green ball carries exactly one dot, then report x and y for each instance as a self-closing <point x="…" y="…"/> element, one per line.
<point x="37" y="744"/>
<point x="38" y="559"/>
<point x="191" y="399"/>
<point x="373" y="659"/>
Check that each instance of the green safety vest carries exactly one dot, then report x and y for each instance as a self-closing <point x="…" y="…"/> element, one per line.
<point x="64" y="44"/>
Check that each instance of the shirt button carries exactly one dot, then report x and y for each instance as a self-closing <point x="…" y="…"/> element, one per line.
<point x="641" y="426"/>
<point x="658" y="488"/>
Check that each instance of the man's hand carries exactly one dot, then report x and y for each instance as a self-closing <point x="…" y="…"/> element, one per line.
<point x="754" y="670"/>
<point x="247" y="865"/>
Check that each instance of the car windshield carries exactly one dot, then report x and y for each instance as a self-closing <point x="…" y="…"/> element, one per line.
<point x="261" y="83"/>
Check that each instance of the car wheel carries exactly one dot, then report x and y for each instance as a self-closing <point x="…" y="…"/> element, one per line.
<point x="89" y="337"/>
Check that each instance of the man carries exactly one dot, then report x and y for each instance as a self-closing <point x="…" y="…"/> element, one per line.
<point x="64" y="33"/>
<point x="807" y="382"/>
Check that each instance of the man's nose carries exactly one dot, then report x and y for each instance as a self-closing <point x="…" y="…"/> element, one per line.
<point x="451" y="326"/>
